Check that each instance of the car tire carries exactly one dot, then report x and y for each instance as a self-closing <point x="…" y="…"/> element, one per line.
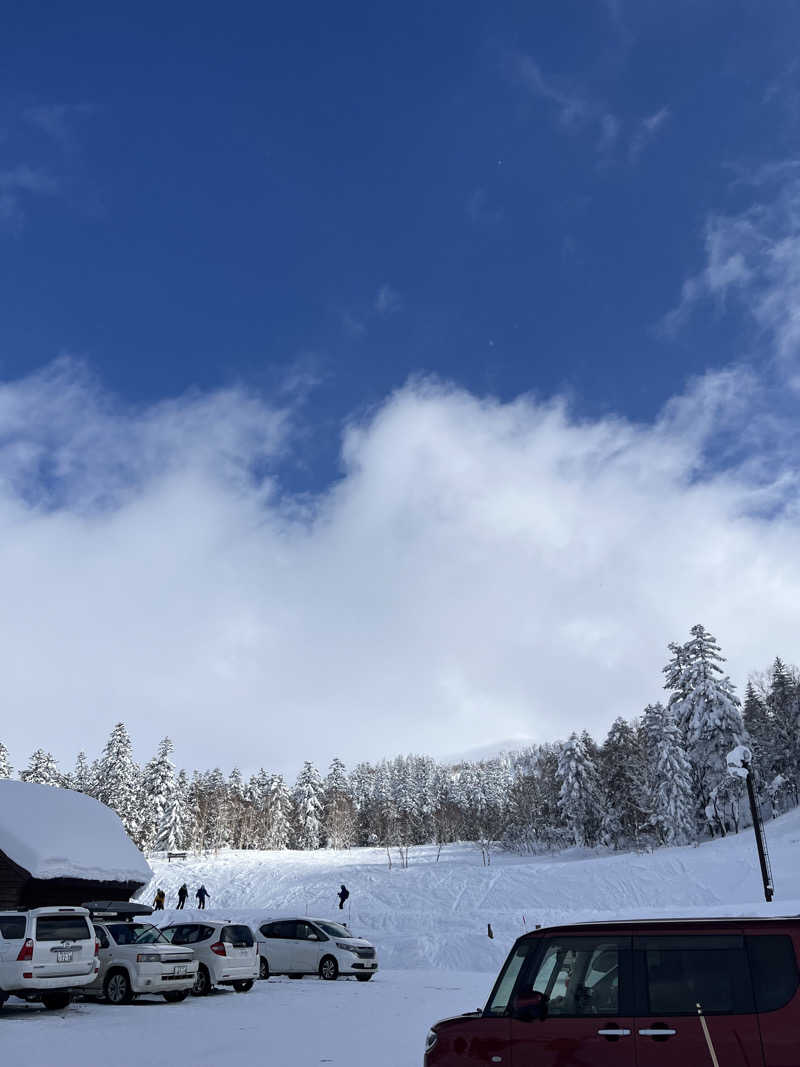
<point x="263" y="968"/>
<point x="56" y="1001"/>
<point x="175" y="996"/>
<point x="364" y="977"/>
<point x="243" y="987"/>
<point x="202" y="983"/>
<point x="117" y="988"/>
<point x="328" y="969"/>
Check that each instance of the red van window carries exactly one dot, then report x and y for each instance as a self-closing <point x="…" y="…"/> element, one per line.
<point x="684" y="971"/>
<point x="774" y="967"/>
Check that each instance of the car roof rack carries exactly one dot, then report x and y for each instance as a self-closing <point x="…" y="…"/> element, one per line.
<point x="117" y="909"/>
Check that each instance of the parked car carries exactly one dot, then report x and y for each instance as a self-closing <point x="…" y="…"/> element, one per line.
<point x="136" y="958"/>
<point x="313" y="946"/>
<point x="631" y="993"/>
<point x="225" y="953"/>
<point x="46" y="954"/>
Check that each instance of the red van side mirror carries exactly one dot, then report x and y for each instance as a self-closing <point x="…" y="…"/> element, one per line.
<point x="529" y="1007"/>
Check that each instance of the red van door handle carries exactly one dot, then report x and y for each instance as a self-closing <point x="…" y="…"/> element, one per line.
<point x="611" y="1034"/>
<point x="658" y="1032"/>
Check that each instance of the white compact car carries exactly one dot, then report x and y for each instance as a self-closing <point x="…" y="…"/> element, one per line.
<point x="46" y="954"/>
<point x="313" y="946"/>
<point x="225" y="953"/>
<point x="136" y="958"/>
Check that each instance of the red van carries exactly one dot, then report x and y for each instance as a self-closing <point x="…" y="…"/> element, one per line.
<point x="626" y="994"/>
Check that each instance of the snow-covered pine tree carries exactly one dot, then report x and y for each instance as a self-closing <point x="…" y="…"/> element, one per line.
<point x="279" y="829"/>
<point x="119" y="781"/>
<point x="172" y="830"/>
<point x="6" y="770"/>
<point x="339" y="819"/>
<point x="622" y="769"/>
<point x="42" y="769"/>
<point x="158" y="789"/>
<point x="82" y="778"/>
<point x="362" y="790"/>
<point x="308" y="801"/>
<point x="783" y="741"/>
<point x="706" y="709"/>
<point x="671" y="799"/>
<point x="579" y="797"/>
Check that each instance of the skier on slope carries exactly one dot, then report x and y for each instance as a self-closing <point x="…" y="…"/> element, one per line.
<point x="202" y="895"/>
<point x="158" y="903"/>
<point x="343" y="894"/>
<point x="183" y="893"/>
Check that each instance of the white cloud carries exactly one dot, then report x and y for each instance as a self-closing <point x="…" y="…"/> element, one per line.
<point x="646" y="130"/>
<point x="482" y="570"/>
<point x="387" y="300"/>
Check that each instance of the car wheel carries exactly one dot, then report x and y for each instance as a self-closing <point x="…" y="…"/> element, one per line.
<point x="263" y="968"/>
<point x="202" y="983"/>
<point x="175" y="996"/>
<point x="117" y="988"/>
<point x="243" y="987"/>
<point x="363" y="977"/>
<point x="329" y="969"/>
<point x="56" y="1001"/>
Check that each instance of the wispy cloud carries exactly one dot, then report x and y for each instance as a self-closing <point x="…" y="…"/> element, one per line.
<point x="646" y="131"/>
<point x="18" y="184"/>
<point x="753" y="258"/>
<point x="57" y="121"/>
<point x="387" y="300"/>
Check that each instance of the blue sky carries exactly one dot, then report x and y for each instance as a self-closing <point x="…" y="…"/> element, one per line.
<point x="228" y="235"/>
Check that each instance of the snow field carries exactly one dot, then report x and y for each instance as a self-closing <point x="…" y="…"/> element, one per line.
<point x="435" y="915"/>
<point x="280" y="1022"/>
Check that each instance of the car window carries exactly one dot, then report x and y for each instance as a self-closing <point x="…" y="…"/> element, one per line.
<point x="135" y="933"/>
<point x="12" y="927"/>
<point x="101" y="937"/>
<point x="579" y="976"/>
<point x="774" y="969"/>
<point x="62" y="928"/>
<point x="334" y="929"/>
<point x="306" y="932"/>
<point x="504" y="987"/>
<point x="281" y="930"/>
<point x="189" y="933"/>
<point x="238" y="936"/>
<point x="684" y="971"/>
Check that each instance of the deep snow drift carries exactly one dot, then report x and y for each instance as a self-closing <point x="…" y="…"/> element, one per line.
<point x="435" y="915"/>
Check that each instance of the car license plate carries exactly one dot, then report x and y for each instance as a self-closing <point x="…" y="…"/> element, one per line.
<point x="64" y="957"/>
<point x="179" y="970"/>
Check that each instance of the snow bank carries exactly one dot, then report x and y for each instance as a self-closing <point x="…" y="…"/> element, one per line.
<point x="58" y="833"/>
<point x="435" y="914"/>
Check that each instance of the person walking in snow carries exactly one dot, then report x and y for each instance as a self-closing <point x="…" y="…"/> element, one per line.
<point x="202" y="895"/>
<point x="183" y="893"/>
<point x="344" y="893"/>
<point x="158" y="903"/>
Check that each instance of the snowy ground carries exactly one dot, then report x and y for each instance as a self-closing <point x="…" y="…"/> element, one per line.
<point x="429" y="925"/>
<point x="279" y="1022"/>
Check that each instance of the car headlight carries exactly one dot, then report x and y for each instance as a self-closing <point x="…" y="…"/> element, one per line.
<point x="346" y="948"/>
<point x="431" y="1040"/>
<point x="148" y="957"/>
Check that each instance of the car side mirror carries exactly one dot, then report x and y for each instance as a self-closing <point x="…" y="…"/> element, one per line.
<point x="530" y="1008"/>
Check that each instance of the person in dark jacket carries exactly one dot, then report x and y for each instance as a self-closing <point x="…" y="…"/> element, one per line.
<point x="343" y="895"/>
<point x="183" y="893"/>
<point x="158" y="903"/>
<point x="202" y="895"/>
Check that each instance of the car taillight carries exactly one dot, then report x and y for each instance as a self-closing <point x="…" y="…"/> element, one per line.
<point x="26" y="952"/>
<point x="219" y="948"/>
<point x="96" y="947"/>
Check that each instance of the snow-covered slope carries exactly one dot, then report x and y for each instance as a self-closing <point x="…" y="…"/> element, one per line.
<point x="436" y="914"/>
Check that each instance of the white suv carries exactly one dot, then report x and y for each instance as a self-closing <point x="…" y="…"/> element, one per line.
<point x="225" y="953"/>
<point x="313" y="946"/>
<point x="46" y="954"/>
<point x="136" y="958"/>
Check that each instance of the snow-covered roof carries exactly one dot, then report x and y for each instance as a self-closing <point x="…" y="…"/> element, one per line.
<point x="58" y="833"/>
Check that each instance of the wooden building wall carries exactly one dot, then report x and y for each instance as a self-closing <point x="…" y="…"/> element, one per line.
<point x="19" y="890"/>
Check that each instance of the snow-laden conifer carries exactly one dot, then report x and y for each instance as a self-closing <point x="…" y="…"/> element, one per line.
<point x="671" y="801"/>
<point x="6" y="770"/>
<point x="579" y="797"/>
<point x="42" y="769"/>
<point x="339" y="818"/>
<point x="308" y="803"/>
<point x="119" y="781"/>
<point x="158" y="790"/>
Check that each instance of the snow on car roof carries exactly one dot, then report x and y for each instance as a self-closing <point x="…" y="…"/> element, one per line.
<point x="58" y="833"/>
